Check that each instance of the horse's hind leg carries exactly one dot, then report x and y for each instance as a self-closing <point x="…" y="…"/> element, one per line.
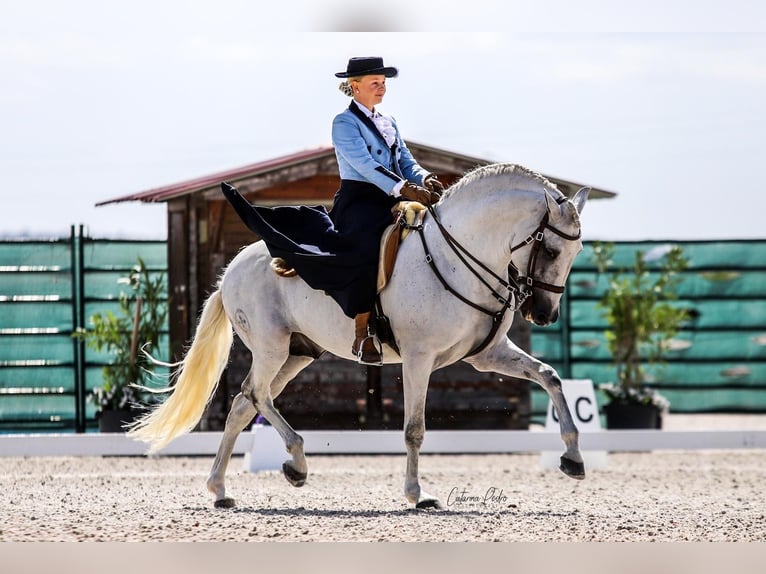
<point x="259" y="389"/>
<point x="508" y="359"/>
<point x="241" y="413"/>
<point x="297" y="470"/>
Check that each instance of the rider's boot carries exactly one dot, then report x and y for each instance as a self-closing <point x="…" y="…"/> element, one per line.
<point x="366" y="346"/>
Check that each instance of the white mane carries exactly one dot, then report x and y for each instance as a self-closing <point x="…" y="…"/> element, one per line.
<point x="520" y="177"/>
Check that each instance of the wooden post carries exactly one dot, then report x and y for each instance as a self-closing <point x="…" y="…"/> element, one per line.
<point x="134" y="339"/>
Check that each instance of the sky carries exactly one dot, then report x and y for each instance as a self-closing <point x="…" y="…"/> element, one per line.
<point x="661" y="101"/>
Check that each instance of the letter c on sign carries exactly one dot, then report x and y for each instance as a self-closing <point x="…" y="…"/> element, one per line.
<point x="577" y="409"/>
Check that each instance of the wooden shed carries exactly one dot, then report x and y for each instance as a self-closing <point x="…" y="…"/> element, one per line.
<point x="204" y="233"/>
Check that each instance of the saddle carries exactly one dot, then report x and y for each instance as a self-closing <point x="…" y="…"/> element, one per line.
<point x="407" y="214"/>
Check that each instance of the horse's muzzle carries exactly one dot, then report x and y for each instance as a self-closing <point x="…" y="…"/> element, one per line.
<point x="541" y="317"/>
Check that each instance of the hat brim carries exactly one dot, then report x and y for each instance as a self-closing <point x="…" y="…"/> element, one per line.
<point x="388" y="72"/>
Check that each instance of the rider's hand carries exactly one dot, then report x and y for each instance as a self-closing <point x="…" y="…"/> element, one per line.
<point x="412" y="192"/>
<point x="432" y="183"/>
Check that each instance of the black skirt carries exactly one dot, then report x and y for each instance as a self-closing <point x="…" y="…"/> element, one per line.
<point x="335" y="252"/>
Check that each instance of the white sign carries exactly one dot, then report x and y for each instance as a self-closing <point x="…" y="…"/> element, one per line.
<point x="581" y="399"/>
<point x="268" y="451"/>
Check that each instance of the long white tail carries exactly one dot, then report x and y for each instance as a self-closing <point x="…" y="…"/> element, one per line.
<point x="196" y="380"/>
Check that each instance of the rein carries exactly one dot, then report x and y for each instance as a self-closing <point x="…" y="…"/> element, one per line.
<point x="516" y="292"/>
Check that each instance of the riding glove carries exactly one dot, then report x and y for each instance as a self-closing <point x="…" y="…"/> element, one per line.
<point x="432" y="182"/>
<point x="412" y="192"/>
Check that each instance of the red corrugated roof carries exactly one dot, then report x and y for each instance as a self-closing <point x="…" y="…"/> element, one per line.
<point x="169" y="192"/>
<point x="160" y="194"/>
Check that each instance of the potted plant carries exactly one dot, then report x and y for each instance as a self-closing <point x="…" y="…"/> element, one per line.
<point x="138" y="325"/>
<point x="641" y="321"/>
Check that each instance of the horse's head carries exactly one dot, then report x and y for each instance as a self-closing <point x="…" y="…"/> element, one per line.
<point x="543" y="259"/>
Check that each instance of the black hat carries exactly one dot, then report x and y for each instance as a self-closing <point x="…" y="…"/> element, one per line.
<point x="367" y="66"/>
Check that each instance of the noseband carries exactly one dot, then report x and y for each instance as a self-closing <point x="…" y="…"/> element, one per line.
<point x="519" y="288"/>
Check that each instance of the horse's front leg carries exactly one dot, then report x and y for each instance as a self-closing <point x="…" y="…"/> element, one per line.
<point x="508" y="359"/>
<point x="415" y="382"/>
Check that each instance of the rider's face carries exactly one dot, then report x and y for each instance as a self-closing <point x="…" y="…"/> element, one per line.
<point x="369" y="90"/>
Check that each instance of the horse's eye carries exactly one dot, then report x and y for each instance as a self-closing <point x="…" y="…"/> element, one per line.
<point x="551" y="253"/>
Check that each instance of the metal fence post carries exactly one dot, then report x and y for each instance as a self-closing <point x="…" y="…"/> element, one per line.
<point x="78" y="322"/>
<point x="566" y="334"/>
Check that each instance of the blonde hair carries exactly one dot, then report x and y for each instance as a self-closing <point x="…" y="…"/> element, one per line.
<point x="345" y="86"/>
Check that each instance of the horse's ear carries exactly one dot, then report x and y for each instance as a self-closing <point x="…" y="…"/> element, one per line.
<point x="553" y="204"/>
<point x="550" y="203"/>
<point x="580" y="198"/>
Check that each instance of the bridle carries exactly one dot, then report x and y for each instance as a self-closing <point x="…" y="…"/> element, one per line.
<point x="528" y="283"/>
<point x="519" y="288"/>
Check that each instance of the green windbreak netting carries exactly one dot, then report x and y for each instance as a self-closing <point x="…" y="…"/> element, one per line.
<point x="118" y="255"/>
<point x="52" y="255"/>
<point x="42" y="286"/>
<point x="46" y="284"/>
<point x="716" y="363"/>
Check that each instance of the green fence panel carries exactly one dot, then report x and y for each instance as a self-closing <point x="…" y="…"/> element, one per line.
<point x="729" y="283"/>
<point x="21" y="285"/>
<point x="722" y="283"/>
<point x="709" y="400"/>
<point x="751" y="374"/>
<point x="106" y="285"/>
<point x="44" y="410"/>
<point x="708" y="314"/>
<point x="547" y="346"/>
<point x="58" y="378"/>
<point x="36" y="348"/>
<point x="729" y="345"/>
<point x="717" y="400"/>
<point x="121" y="255"/>
<point x="30" y="315"/>
<point x="726" y="254"/>
<point x="687" y="346"/>
<point x="29" y="255"/>
<point x="745" y="254"/>
<point x="727" y="313"/>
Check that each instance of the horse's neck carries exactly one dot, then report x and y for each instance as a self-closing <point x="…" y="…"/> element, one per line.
<point x="487" y="223"/>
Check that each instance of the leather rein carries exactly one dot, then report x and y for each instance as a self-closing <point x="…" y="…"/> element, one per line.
<point x="519" y="288"/>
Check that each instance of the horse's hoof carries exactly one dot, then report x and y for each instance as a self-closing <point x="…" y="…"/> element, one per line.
<point x="572" y="469"/>
<point x="429" y="503"/>
<point x="225" y="503"/>
<point x="293" y="476"/>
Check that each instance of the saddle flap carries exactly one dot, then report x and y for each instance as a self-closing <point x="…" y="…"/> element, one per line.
<point x="407" y="214"/>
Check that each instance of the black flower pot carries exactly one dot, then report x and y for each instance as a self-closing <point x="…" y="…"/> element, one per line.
<point x="632" y="416"/>
<point x="115" y="420"/>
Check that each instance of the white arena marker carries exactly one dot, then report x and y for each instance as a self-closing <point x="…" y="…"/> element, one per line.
<point x="268" y="450"/>
<point x="581" y="399"/>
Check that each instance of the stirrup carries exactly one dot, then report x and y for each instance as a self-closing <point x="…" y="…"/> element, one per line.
<point x="360" y="353"/>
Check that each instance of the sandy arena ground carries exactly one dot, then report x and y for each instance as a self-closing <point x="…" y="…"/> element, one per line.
<point x="652" y="496"/>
